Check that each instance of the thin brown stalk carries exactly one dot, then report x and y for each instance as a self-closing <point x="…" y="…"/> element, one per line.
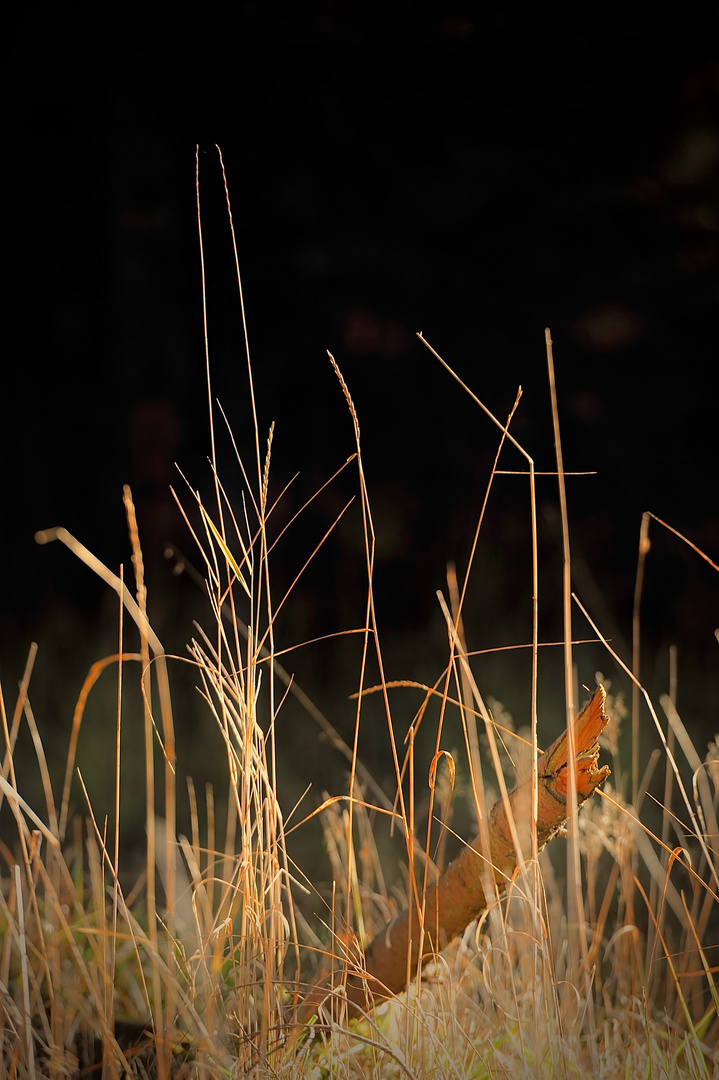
<point x="370" y="631"/>
<point x="644" y="546"/>
<point x="688" y="542"/>
<point x="10" y="732"/>
<point x="575" y="894"/>
<point x="244" y="320"/>
<point x="112" y="965"/>
<point x="163" y="1011"/>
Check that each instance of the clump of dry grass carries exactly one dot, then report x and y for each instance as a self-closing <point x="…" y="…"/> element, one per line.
<point x="198" y="968"/>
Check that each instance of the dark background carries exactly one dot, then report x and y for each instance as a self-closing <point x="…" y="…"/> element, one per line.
<point x="473" y="173"/>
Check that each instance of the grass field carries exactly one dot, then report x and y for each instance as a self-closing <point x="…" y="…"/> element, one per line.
<point x="597" y="957"/>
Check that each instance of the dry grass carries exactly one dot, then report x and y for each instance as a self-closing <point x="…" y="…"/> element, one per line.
<point x="605" y="967"/>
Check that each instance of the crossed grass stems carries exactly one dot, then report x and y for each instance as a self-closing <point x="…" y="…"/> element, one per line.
<point x="201" y="967"/>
